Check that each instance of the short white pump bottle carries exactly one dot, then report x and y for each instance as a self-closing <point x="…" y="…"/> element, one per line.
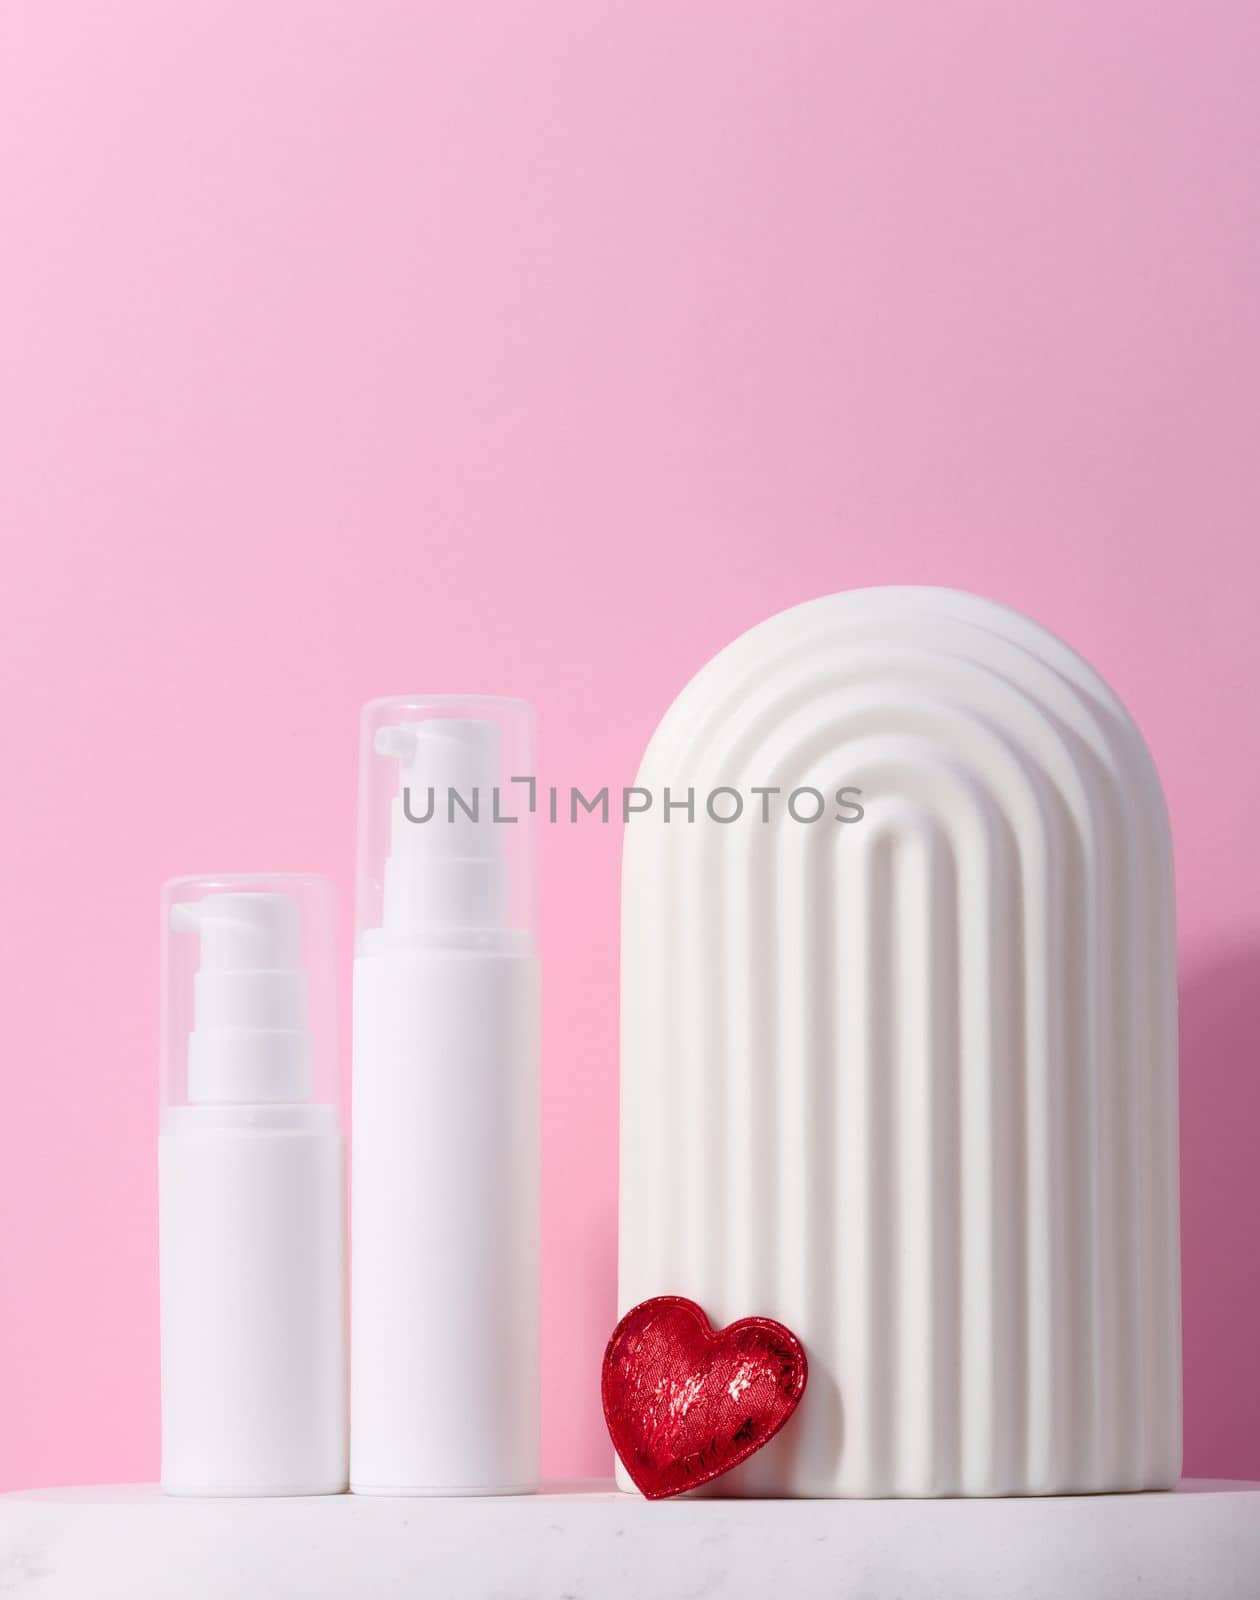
<point x="444" y="1200"/>
<point x="251" y="1208"/>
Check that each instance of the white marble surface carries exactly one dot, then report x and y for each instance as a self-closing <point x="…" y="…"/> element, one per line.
<point x="589" y="1542"/>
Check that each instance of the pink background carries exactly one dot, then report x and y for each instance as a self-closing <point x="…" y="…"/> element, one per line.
<point x="357" y="348"/>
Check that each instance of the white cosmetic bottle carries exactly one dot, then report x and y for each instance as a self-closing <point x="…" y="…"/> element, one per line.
<point x="444" y="1303"/>
<point x="251" y="1191"/>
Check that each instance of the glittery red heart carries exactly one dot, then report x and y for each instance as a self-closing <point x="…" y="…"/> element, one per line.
<point x="685" y="1404"/>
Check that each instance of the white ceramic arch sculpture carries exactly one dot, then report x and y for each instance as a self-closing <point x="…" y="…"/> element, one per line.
<point x="908" y="1084"/>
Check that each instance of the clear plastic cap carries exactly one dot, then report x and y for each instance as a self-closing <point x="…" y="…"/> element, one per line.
<point x="447" y="797"/>
<point x="248" y="992"/>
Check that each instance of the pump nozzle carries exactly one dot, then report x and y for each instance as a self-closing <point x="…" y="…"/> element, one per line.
<point x="243" y="930"/>
<point x="448" y="756"/>
<point x="445" y="873"/>
<point x="250" y="1041"/>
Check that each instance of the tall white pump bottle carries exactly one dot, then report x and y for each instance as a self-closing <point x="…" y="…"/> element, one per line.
<point x="251" y="1191"/>
<point x="444" y="1300"/>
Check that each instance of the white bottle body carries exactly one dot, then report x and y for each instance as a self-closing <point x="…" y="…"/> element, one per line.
<point x="251" y="1211"/>
<point x="444" y="1379"/>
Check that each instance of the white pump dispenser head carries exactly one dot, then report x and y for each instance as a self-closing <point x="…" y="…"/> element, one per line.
<point x="251" y="1203"/>
<point x="445" y="877"/>
<point x="251" y="1040"/>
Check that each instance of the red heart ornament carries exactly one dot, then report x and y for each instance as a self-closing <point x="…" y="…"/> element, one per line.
<point x="685" y="1404"/>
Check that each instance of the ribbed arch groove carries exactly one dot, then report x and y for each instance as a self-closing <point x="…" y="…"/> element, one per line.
<point x="909" y="1083"/>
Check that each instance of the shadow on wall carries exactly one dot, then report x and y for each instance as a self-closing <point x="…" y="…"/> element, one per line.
<point x="1220" y="1201"/>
